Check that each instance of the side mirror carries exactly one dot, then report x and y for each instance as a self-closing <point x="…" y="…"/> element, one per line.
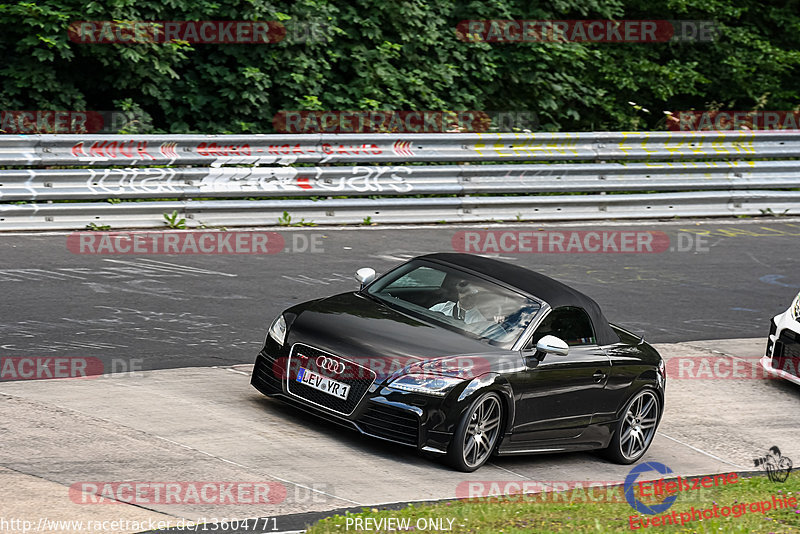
<point x="552" y="345"/>
<point x="365" y="275"/>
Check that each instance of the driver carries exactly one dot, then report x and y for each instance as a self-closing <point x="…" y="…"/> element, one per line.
<point x="464" y="308"/>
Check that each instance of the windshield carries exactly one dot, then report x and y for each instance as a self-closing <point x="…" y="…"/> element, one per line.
<point x="458" y="301"/>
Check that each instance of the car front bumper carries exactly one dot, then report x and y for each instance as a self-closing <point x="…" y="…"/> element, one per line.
<point x="782" y="355"/>
<point x="400" y="417"/>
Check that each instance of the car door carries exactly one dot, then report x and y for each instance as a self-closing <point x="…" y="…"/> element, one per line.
<point x="557" y="396"/>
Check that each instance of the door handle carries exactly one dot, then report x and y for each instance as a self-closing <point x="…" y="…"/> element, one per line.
<point x="599" y="376"/>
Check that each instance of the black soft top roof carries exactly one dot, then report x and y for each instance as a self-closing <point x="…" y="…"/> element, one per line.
<point x="553" y="292"/>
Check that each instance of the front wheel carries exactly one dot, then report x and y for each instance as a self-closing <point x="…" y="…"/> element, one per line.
<point x="477" y="433"/>
<point x="636" y="428"/>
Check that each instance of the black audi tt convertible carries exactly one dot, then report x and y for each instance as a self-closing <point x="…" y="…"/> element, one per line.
<point x="464" y="357"/>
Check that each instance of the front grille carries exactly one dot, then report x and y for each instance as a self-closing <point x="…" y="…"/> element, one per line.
<point x="786" y="356"/>
<point x="266" y="374"/>
<point x="359" y="379"/>
<point x="392" y="423"/>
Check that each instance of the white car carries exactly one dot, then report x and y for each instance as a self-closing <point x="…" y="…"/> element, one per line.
<point x="783" y="345"/>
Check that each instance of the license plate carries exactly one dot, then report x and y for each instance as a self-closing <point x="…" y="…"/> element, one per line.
<point x="323" y="383"/>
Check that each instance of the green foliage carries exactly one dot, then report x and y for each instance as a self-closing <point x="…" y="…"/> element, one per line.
<point x="372" y="54"/>
<point x="172" y="221"/>
<point x="286" y="220"/>
<point x="593" y="510"/>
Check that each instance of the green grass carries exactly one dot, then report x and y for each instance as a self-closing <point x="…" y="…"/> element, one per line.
<point x="587" y="511"/>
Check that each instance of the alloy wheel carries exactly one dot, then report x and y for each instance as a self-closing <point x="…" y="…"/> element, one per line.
<point x="482" y="431"/>
<point x="639" y="425"/>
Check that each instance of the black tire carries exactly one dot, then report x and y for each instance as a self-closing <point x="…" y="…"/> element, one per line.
<point x="477" y="433"/>
<point x="636" y="428"/>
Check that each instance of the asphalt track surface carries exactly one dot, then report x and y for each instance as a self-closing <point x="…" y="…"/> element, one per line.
<point x="176" y="336"/>
<point x="160" y="312"/>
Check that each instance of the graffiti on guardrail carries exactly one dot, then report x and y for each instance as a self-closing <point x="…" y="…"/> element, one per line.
<point x="218" y="153"/>
<point x="214" y="149"/>
<point x="355" y="150"/>
<point x="255" y="180"/>
<point x="530" y="147"/>
<point x="271" y="179"/>
<point x="119" y="181"/>
<point x="377" y="179"/>
<point x="104" y="150"/>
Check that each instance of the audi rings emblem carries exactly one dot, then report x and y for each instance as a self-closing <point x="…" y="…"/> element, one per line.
<point x="323" y="362"/>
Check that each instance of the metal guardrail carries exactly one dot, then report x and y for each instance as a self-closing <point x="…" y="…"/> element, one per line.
<point x="687" y="173"/>
<point x="211" y="150"/>
<point x="211" y="213"/>
<point x="199" y="182"/>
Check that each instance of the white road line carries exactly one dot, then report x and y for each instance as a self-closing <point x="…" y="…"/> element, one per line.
<point x="510" y="471"/>
<point x="723" y="354"/>
<point x="211" y="455"/>
<point x="701" y="451"/>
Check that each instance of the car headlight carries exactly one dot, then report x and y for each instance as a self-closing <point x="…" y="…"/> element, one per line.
<point x="277" y="329"/>
<point x="427" y="384"/>
<point x="796" y="308"/>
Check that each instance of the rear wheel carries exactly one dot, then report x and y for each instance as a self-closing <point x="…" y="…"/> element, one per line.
<point x="636" y="429"/>
<point x="477" y="433"/>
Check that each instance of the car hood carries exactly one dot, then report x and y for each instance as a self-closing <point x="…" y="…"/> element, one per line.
<point x="373" y="334"/>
